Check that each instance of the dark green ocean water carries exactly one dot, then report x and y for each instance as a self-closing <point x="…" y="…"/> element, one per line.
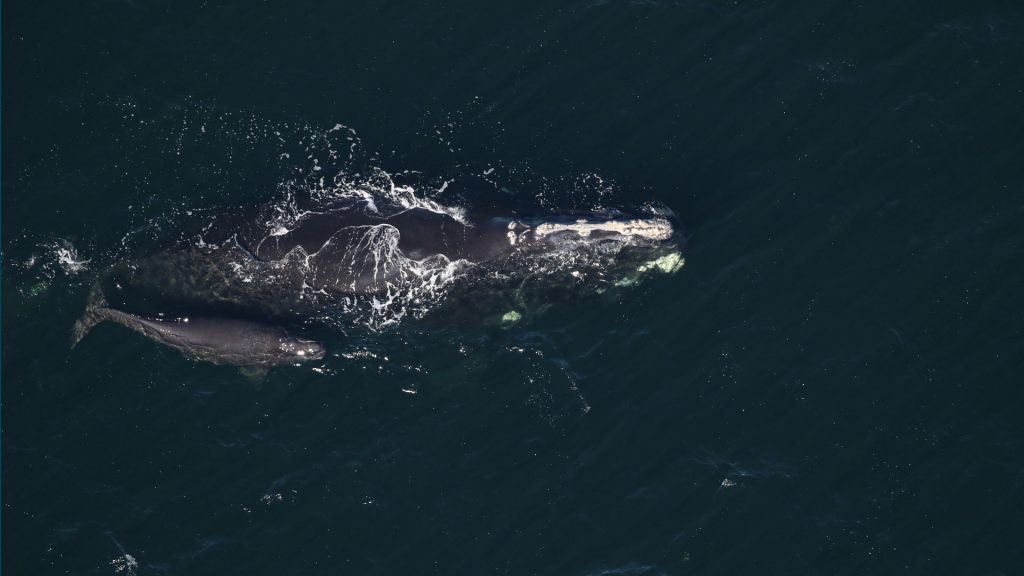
<point x="831" y="385"/>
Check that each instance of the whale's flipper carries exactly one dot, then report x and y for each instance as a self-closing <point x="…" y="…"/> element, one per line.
<point x="93" y="315"/>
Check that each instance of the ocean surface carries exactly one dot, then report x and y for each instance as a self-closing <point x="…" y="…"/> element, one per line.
<point x="831" y="384"/>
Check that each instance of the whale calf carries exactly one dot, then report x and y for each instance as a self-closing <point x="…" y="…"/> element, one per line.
<point x="218" y="340"/>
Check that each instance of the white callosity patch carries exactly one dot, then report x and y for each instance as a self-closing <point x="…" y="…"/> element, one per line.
<point x="655" y="229"/>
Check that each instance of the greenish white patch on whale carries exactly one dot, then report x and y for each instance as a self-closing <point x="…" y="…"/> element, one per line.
<point x="511" y="317"/>
<point x="668" y="264"/>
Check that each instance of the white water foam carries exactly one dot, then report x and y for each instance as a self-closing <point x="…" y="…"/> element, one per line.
<point x="126" y="565"/>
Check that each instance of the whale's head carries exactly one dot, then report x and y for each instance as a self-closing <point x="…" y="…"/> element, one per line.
<point x="301" y="349"/>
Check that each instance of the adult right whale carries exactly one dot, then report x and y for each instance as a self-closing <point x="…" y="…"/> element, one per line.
<point x="375" y="265"/>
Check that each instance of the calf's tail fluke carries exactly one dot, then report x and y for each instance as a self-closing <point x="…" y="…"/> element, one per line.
<point x="93" y="315"/>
